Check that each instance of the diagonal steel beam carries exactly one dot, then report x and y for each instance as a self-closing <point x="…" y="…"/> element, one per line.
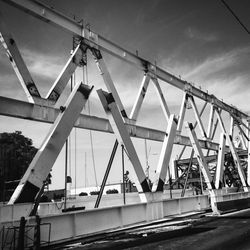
<point x="39" y="168"/>
<point x="234" y="152"/>
<point x="199" y="155"/>
<point x="164" y="105"/>
<point x="75" y="60"/>
<point x="197" y="116"/>
<point x="163" y="164"/>
<point x="182" y="112"/>
<point x="220" y="162"/>
<point x="140" y="97"/>
<point x="123" y="137"/>
<point x="101" y="65"/>
<point x="17" y="62"/>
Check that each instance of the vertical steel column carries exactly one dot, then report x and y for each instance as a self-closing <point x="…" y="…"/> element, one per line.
<point x="199" y="155"/>
<point x="234" y="153"/>
<point x="166" y="151"/>
<point x="122" y="135"/>
<point x="66" y="174"/>
<point x="220" y="162"/>
<point x="231" y="131"/>
<point x="248" y="153"/>
<point x="21" y="234"/>
<point x="189" y="167"/>
<point x="123" y="173"/>
<point x="37" y="234"/>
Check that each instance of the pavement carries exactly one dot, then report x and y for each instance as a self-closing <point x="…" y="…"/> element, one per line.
<point x="195" y="231"/>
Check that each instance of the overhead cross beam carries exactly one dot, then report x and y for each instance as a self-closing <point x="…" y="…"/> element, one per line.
<point x="35" y="112"/>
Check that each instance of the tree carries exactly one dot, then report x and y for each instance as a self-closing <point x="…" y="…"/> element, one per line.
<point x="83" y="194"/>
<point x="94" y="192"/>
<point x="112" y="191"/>
<point x="16" y="153"/>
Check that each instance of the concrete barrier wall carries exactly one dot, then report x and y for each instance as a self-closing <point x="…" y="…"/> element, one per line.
<point x="231" y="196"/>
<point x="78" y="223"/>
<point x="10" y="212"/>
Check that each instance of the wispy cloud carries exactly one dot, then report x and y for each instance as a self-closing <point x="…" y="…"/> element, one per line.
<point x="217" y="64"/>
<point x="195" y="34"/>
<point x="43" y="65"/>
<point x="225" y="74"/>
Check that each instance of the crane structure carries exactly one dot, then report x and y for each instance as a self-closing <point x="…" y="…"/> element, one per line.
<point x="208" y="156"/>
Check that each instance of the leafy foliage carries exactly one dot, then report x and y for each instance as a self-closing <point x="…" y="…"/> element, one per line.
<point x="83" y="194"/>
<point x="16" y="153"/>
<point x="112" y="191"/>
<point x="94" y="192"/>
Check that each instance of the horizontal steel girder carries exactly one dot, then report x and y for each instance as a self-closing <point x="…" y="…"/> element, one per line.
<point x="35" y="112"/>
<point x="49" y="15"/>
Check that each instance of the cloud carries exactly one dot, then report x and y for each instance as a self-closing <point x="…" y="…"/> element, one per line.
<point x="224" y="74"/>
<point x="195" y="34"/>
<point x="43" y="65"/>
<point x="217" y="64"/>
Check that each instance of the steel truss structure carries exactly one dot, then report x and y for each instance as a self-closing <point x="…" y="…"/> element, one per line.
<point x="119" y="122"/>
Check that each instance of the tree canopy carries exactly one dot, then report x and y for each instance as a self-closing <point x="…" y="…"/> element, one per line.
<point x="16" y="153"/>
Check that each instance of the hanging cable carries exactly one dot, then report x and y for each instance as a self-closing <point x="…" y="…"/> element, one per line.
<point x="90" y="132"/>
<point x="235" y="16"/>
<point x="75" y="160"/>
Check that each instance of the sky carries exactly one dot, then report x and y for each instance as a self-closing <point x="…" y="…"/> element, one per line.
<point x="197" y="40"/>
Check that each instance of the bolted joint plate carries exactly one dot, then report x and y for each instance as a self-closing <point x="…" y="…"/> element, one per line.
<point x="85" y="90"/>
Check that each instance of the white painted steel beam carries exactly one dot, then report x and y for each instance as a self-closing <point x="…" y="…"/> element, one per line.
<point x="182" y="112"/>
<point x="50" y="15"/>
<point x="199" y="155"/>
<point x="243" y="136"/>
<point x="39" y="168"/>
<point x="17" y="62"/>
<point x="166" y="151"/>
<point x="195" y="124"/>
<point x="140" y="97"/>
<point x="231" y="131"/>
<point x="234" y="153"/>
<point x="210" y="122"/>
<point x="197" y="116"/>
<point x="123" y="137"/>
<point x="220" y="162"/>
<point x="101" y="65"/>
<point x="163" y="102"/>
<point x="186" y="161"/>
<point x="63" y="78"/>
<point x="35" y="112"/>
<point x="248" y="158"/>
